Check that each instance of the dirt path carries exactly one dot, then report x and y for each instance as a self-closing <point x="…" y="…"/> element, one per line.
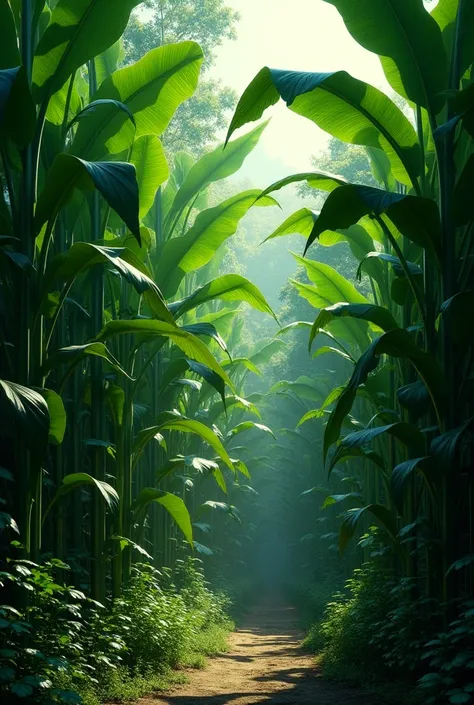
<point x="265" y="664"/>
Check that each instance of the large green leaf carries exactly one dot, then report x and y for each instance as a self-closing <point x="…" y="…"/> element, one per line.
<point x="73" y="354"/>
<point x="402" y="473"/>
<point x="107" y="62"/>
<point x="377" y="315"/>
<point x="404" y="432"/>
<point x="184" y="426"/>
<point x="394" y="262"/>
<point x="78" y="31"/>
<point x="77" y="481"/>
<point x="445" y="14"/>
<point x="25" y="411"/>
<point x="188" y="343"/>
<point x="229" y="287"/>
<point x="302" y="223"/>
<point x="152" y="89"/>
<point x="316" y="179"/>
<point x="57" y="416"/>
<point x="446" y="447"/>
<point x="84" y="255"/>
<point x="56" y="112"/>
<point x="409" y="42"/>
<point x="174" y="505"/>
<point x="383" y="515"/>
<point x="415" y="217"/>
<point x="149" y="160"/>
<point x="198" y="246"/>
<point x="331" y="285"/>
<point x="209" y="375"/>
<point x="116" y="181"/>
<point x="207" y="330"/>
<point x="231" y="401"/>
<point x="214" y="166"/>
<point x="347" y="108"/>
<point x="397" y="343"/>
<point x="329" y="288"/>
<point x="248" y="426"/>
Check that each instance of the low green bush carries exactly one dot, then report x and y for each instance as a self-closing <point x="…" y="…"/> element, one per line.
<point x="65" y="648"/>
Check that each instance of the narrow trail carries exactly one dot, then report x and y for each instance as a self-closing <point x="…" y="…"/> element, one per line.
<point x="265" y="664"/>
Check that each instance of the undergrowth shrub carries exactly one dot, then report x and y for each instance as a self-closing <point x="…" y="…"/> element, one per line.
<point x="65" y="648"/>
<point x="449" y="660"/>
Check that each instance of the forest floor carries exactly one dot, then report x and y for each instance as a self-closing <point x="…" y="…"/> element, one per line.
<point x="265" y="664"/>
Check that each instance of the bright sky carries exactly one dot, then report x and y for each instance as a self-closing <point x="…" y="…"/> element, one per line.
<point x="306" y="35"/>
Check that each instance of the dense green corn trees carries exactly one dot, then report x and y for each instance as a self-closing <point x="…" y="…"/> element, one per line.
<point x="109" y="336"/>
<point x="408" y="346"/>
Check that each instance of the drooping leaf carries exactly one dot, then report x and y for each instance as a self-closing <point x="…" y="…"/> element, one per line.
<point x="397" y="343"/>
<point x="73" y="354"/>
<point x="415" y="217"/>
<point x="79" y="480"/>
<point x="208" y="330"/>
<point x="347" y="108"/>
<point x="209" y="375"/>
<point x="116" y="181"/>
<point x="302" y="223"/>
<point x="344" y="453"/>
<point x="174" y="505"/>
<point x="222" y="507"/>
<point x="229" y="287"/>
<point x="385" y="518"/>
<point x="446" y="447"/>
<point x="184" y="426"/>
<point x="124" y="542"/>
<point x="27" y="411"/>
<point x="82" y="256"/>
<point x="247" y="426"/>
<point x="403" y="472"/>
<point x="414" y="397"/>
<point x="96" y="104"/>
<point x="315" y="179"/>
<point x="378" y="315"/>
<point x="393" y="261"/>
<point x="381" y="168"/>
<point x="404" y="432"/>
<point x="187" y="342"/>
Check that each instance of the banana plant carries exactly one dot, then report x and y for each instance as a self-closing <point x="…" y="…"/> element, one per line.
<point x="96" y="273"/>
<point x="412" y="237"/>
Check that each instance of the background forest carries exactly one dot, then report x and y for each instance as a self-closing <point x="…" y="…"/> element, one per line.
<point x="171" y="447"/>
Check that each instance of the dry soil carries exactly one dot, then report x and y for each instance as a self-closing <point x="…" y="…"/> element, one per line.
<point x="265" y="664"/>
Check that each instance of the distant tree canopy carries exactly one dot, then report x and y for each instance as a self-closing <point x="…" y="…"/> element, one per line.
<point x="209" y="22"/>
